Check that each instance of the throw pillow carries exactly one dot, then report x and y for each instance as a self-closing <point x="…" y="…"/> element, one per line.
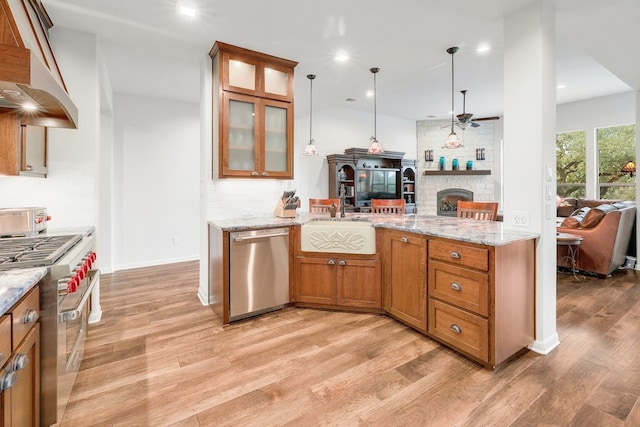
<point x="594" y="216"/>
<point x="576" y="218"/>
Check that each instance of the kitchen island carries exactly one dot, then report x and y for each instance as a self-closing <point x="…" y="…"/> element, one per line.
<point x="493" y="233"/>
<point x="466" y="283"/>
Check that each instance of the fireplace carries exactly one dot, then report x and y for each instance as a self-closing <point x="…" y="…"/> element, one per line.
<point x="447" y="200"/>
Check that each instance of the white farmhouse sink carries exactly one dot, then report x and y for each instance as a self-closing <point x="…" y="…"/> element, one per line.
<point x="352" y="237"/>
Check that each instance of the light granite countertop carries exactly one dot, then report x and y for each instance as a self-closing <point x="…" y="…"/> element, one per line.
<point x="491" y="233"/>
<point x="14" y="284"/>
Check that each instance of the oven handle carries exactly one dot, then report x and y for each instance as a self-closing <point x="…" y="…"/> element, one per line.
<point x="65" y="316"/>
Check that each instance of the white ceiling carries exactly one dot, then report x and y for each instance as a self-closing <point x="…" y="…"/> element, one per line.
<point x="150" y="50"/>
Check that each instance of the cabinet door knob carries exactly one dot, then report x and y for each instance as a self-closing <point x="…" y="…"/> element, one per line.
<point x="404" y="239"/>
<point x="456" y="286"/>
<point x="455" y="328"/>
<point x="331" y="262"/>
<point x="7" y="380"/>
<point x="265" y="173"/>
<point x="254" y="173"/>
<point x="455" y="254"/>
<point x="20" y="361"/>
<point x="30" y="316"/>
<point x="342" y="262"/>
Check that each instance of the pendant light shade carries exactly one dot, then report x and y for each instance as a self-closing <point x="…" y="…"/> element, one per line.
<point x="375" y="147"/>
<point x="452" y="140"/>
<point x="310" y="149"/>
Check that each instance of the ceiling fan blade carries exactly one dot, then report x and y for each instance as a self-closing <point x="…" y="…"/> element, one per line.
<point x="479" y="119"/>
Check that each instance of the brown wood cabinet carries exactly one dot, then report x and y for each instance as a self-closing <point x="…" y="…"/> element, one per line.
<point x="20" y="375"/>
<point x="338" y="280"/>
<point x="404" y="257"/>
<point x="481" y="298"/>
<point x="252" y="113"/>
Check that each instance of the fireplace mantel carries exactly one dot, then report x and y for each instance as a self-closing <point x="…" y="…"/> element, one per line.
<point x="458" y="172"/>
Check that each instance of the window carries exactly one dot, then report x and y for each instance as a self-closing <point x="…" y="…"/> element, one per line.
<point x="570" y="164"/>
<point x="616" y="146"/>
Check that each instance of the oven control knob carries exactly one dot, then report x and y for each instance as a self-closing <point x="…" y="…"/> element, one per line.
<point x="72" y="284"/>
<point x="80" y="273"/>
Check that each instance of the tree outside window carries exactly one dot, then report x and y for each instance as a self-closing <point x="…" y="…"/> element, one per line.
<point x="570" y="164"/>
<point x="616" y="146"/>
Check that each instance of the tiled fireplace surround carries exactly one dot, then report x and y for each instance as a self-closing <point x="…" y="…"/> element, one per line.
<point x="431" y="136"/>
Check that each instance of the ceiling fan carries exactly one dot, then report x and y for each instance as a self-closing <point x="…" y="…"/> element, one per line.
<point x="465" y="119"/>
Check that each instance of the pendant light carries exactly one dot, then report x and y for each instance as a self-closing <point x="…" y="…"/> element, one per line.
<point x="310" y="149"/>
<point x="375" y="147"/>
<point x="452" y="140"/>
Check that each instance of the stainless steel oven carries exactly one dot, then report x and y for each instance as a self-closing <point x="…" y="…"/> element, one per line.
<point x="67" y="300"/>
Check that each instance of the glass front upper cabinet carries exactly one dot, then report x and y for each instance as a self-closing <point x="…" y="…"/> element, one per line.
<point x="254" y="94"/>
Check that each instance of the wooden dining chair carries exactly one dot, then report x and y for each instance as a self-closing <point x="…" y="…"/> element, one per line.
<point x="322" y="205"/>
<point x="486" y="211"/>
<point x="387" y="206"/>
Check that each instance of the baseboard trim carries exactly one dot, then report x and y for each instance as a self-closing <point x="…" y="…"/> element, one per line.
<point x="546" y="346"/>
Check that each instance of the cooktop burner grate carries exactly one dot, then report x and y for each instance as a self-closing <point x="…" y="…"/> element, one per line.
<point x="24" y="252"/>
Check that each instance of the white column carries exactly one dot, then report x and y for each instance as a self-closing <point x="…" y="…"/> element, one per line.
<point x="637" y="267"/>
<point x="529" y="148"/>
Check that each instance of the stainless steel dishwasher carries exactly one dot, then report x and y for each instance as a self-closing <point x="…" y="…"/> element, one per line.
<point x="259" y="272"/>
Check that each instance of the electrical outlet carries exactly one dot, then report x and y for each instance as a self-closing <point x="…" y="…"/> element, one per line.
<point x="521" y="218"/>
<point x="176" y="241"/>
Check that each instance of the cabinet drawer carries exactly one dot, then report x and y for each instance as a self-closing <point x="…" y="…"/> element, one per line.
<point x="465" y="288"/>
<point x="462" y="330"/>
<point x="459" y="254"/>
<point x="25" y="315"/>
<point x="5" y="338"/>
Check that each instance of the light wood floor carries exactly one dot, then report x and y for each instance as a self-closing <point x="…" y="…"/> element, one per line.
<point x="160" y="358"/>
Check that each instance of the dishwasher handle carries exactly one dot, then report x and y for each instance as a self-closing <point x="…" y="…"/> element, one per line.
<point x="259" y="236"/>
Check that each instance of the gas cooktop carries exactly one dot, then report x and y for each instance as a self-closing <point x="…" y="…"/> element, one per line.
<point x="26" y="252"/>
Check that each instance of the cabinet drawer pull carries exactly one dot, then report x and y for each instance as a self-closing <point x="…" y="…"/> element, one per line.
<point x="456" y="286"/>
<point x="7" y="380"/>
<point x="30" y="316"/>
<point x="20" y="361"/>
<point x="254" y="173"/>
<point x="404" y="239"/>
<point x="455" y="254"/>
<point x="331" y="262"/>
<point x="342" y="262"/>
<point x="265" y="173"/>
<point x="455" y="328"/>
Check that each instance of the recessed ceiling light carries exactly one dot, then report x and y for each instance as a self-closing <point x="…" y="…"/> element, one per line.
<point x="561" y="86"/>
<point x="29" y="107"/>
<point x="369" y="94"/>
<point x="341" y="57"/>
<point x="483" y="48"/>
<point x="186" y="10"/>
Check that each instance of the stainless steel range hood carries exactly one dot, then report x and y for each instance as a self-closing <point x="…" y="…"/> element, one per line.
<point x="29" y="74"/>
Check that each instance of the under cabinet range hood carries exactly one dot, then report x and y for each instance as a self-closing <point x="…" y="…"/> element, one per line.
<point x="29" y="74"/>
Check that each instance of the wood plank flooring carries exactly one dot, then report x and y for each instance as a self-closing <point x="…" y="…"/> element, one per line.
<point x="160" y="358"/>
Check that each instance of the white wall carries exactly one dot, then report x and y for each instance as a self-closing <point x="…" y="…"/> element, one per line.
<point x="70" y="190"/>
<point x="156" y="181"/>
<point x="593" y="113"/>
<point x="334" y="131"/>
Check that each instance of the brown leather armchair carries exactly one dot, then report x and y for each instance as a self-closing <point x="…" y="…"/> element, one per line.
<point x="604" y="246"/>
